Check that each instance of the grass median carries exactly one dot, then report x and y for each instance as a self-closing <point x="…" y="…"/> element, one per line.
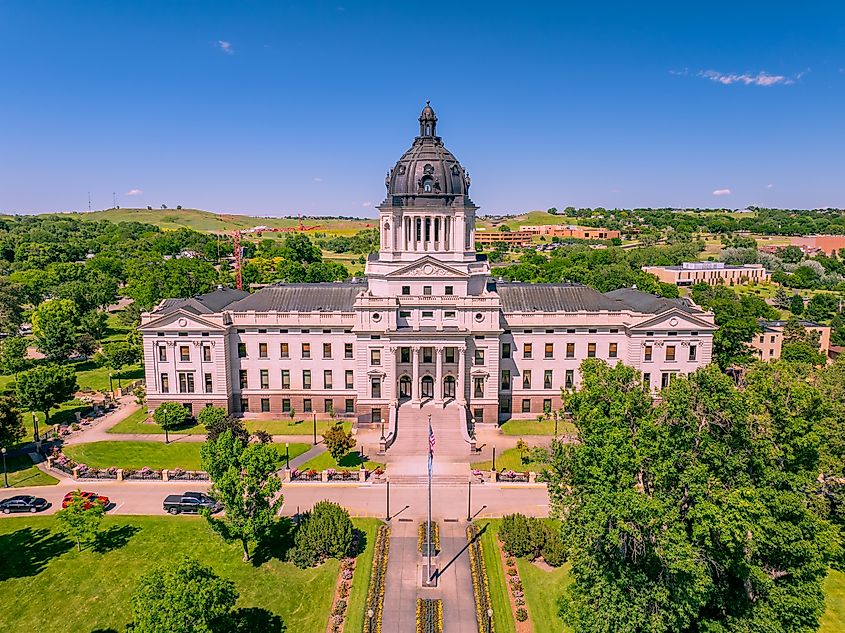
<point x="510" y="459"/>
<point x="521" y="428"/>
<point x="351" y="461"/>
<point x="139" y="423"/>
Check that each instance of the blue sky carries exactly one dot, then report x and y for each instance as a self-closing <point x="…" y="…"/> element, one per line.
<point x="281" y="107"/>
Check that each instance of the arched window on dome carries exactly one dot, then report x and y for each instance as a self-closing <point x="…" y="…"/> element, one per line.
<point x="427" y="129"/>
<point x="427" y="184"/>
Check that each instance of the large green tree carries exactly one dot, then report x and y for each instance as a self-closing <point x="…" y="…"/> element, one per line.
<point x="11" y="422"/>
<point x="169" y="416"/>
<point x="13" y="355"/>
<point x="118" y="355"/>
<point x="81" y="519"/>
<point x="44" y="387"/>
<point x="55" y="324"/>
<point x="692" y="515"/>
<point x="245" y="482"/>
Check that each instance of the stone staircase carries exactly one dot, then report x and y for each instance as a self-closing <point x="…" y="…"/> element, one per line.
<point x="412" y="433"/>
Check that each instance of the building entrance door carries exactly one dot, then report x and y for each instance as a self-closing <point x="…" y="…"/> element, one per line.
<point x="427" y="387"/>
<point x="404" y="387"/>
<point x="449" y="387"/>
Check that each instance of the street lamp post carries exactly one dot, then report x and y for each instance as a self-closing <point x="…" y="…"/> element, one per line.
<point x="494" y="458"/>
<point x="5" y="472"/>
<point x="111" y="386"/>
<point x="315" y="427"/>
<point x="387" y="514"/>
<point x="370" y="614"/>
<point x="35" y="434"/>
<point x="287" y="455"/>
<point x="382" y="429"/>
<point x="490" y="619"/>
<point x="469" y="500"/>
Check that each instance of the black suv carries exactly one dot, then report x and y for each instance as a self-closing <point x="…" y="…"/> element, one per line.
<point x="23" y="503"/>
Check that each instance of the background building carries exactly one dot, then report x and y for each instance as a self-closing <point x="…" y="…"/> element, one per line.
<point x="769" y="343"/>
<point x="691" y="273"/>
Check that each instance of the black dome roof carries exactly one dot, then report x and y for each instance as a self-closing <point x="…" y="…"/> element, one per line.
<point x="427" y="171"/>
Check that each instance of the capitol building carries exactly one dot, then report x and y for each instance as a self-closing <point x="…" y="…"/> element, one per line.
<point x="428" y="327"/>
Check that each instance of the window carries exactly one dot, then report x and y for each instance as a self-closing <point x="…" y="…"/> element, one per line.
<point x="449" y="314"/>
<point x="265" y="378"/>
<point x="262" y="350"/>
<point x="526" y="405"/>
<point x="375" y="357"/>
<point x="285" y="379"/>
<point x="184" y="353"/>
<point x="478" y="387"/>
<point x="569" y="379"/>
<point x="186" y="382"/>
<point x="427" y="314"/>
<point x="665" y="379"/>
<point x="306" y="378"/>
<point x="242" y="378"/>
<point x="306" y="405"/>
<point x="526" y="350"/>
<point x="506" y="350"/>
<point x="406" y="290"/>
<point x="526" y="379"/>
<point x="772" y="340"/>
<point x="647" y="380"/>
<point x="612" y="350"/>
<point x="591" y="350"/>
<point x="693" y="352"/>
<point x="450" y="355"/>
<point x="165" y="383"/>
<point x="306" y="350"/>
<point x="375" y="387"/>
<point x="328" y="405"/>
<point x="265" y="405"/>
<point x="347" y="350"/>
<point x="349" y="404"/>
<point x="404" y="314"/>
<point x="427" y="291"/>
<point x="327" y="350"/>
<point x="285" y="405"/>
<point x="761" y="340"/>
<point x="375" y="415"/>
<point x="479" y="356"/>
<point x="670" y="353"/>
<point x="505" y="405"/>
<point x="428" y="354"/>
<point x="404" y="354"/>
<point x="478" y="415"/>
<point x="549" y="350"/>
<point x="647" y="353"/>
<point x="547" y="379"/>
<point x="241" y="350"/>
<point x="206" y="354"/>
<point x="547" y="405"/>
<point x="284" y="350"/>
<point x="209" y="385"/>
<point x="244" y="405"/>
<point x="162" y="353"/>
<point x="450" y="290"/>
<point x="327" y="379"/>
<point x="350" y="379"/>
<point x="570" y="350"/>
<point x="506" y="379"/>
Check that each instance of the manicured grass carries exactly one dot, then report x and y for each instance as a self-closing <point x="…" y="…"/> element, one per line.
<point x="155" y="455"/>
<point x="348" y="462"/>
<point x="138" y="422"/>
<point x="509" y="460"/>
<point x="533" y="427"/>
<point x="89" y="376"/>
<point x="361" y="579"/>
<point x="22" y="472"/>
<point x="503" y="621"/>
<point x="93" y="587"/>
<point x="833" y="619"/>
<point x="542" y="590"/>
<point x="116" y="330"/>
<point x="297" y="426"/>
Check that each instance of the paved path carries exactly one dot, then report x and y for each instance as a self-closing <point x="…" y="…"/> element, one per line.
<point x="402" y="582"/>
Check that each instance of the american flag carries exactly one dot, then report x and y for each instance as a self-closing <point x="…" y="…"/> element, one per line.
<point x="431" y="440"/>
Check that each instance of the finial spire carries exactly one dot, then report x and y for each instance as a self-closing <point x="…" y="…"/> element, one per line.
<point x="428" y="121"/>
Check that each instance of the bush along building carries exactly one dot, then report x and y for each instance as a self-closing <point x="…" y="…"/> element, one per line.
<point x="428" y="327"/>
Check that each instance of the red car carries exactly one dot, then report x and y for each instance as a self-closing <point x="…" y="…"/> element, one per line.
<point x="90" y="498"/>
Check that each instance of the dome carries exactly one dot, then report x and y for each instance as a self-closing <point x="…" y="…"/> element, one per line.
<point x="428" y="172"/>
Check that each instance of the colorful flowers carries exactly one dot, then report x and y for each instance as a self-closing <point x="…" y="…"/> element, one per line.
<point x="375" y="594"/>
<point x="429" y="615"/>
<point x="480" y="584"/>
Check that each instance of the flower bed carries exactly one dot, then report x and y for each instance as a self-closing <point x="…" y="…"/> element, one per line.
<point x="516" y="591"/>
<point x="422" y="538"/>
<point x="513" y="476"/>
<point x="143" y="473"/>
<point x="375" y="593"/>
<point x="340" y="606"/>
<point x="429" y="615"/>
<point x="342" y="475"/>
<point x="187" y="475"/>
<point x="95" y="473"/>
<point x="480" y="583"/>
<point x="305" y="475"/>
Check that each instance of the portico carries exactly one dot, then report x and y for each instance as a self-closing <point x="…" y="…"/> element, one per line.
<point x="429" y="373"/>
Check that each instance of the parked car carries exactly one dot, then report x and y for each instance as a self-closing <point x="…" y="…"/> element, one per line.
<point x="190" y="503"/>
<point x="23" y="503"/>
<point x="90" y="499"/>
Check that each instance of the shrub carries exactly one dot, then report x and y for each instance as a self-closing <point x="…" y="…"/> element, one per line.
<point x="521" y="614"/>
<point x="324" y="532"/>
<point x="554" y="550"/>
<point x="522" y="535"/>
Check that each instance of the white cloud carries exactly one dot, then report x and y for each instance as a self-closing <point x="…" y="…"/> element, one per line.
<point x="134" y="192"/>
<point x="226" y="47"/>
<point x="760" y="79"/>
<point x="367" y="204"/>
<point x="769" y="186"/>
<point x="722" y="192"/>
<point x="317" y="179"/>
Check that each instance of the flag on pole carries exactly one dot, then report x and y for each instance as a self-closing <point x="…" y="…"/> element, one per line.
<point x="431" y="443"/>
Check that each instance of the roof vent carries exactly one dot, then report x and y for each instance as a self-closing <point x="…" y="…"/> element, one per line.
<point x="634" y="287"/>
<point x="220" y="286"/>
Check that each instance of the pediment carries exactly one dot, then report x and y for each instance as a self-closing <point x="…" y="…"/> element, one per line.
<point x="428" y="267"/>
<point x="181" y="320"/>
<point x="674" y="319"/>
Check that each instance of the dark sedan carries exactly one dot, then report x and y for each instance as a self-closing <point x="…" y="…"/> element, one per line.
<point x="23" y="503"/>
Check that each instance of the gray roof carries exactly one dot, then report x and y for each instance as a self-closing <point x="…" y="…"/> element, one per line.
<point x="315" y="297"/>
<point x="527" y="297"/>
<point x="208" y="303"/>
<point x="634" y="299"/>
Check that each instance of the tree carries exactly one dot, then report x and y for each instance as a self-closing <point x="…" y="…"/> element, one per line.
<point x="522" y="449"/>
<point x="216" y="420"/>
<point x="297" y="247"/>
<point x="821" y="307"/>
<point x="245" y="482"/>
<point x="81" y="519"/>
<point x="93" y="323"/>
<point x="183" y="598"/>
<point x="118" y="355"/>
<point x="169" y="416"/>
<point x="55" y="324"/>
<point x="44" y="387"/>
<point x="782" y="298"/>
<point x="11" y="313"/>
<point x="11" y="422"/>
<point x="692" y="515"/>
<point x="324" y="532"/>
<point x="13" y="355"/>
<point x="151" y="281"/>
<point x="338" y="442"/>
<point x="796" y="305"/>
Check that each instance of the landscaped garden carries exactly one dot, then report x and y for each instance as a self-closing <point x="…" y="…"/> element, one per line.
<point x="155" y="455"/>
<point x="535" y="427"/>
<point x="90" y="590"/>
<point x="296" y="426"/>
<point x="352" y="460"/>
<point x="511" y="459"/>
<point x="22" y="472"/>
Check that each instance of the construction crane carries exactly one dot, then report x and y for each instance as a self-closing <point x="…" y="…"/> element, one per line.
<point x="258" y="231"/>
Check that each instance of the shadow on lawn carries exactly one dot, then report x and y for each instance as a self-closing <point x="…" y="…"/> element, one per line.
<point x="253" y="619"/>
<point x="115" y="537"/>
<point x="27" y="552"/>
<point x="276" y="544"/>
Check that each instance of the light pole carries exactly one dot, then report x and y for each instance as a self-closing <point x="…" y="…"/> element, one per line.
<point x="370" y="614"/>
<point x="5" y="472"/>
<point x="111" y="386"/>
<point x="494" y="458"/>
<point x="490" y="619"/>
<point x="469" y="500"/>
<point x="35" y="427"/>
<point x="382" y="429"/>
<point x="287" y="455"/>
<point x="315" y="427"/>
<point x="387" y="517"/>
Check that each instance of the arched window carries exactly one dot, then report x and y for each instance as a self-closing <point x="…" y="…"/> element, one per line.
<point x="427" y="387"/>
<point x="427" y="185"/>
<point x="405" y="387"/>
<point x="449" y="387"/>
<point x="427" y="129"/>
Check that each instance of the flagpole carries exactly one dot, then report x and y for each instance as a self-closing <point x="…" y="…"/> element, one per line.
<point x="430" y="459"/>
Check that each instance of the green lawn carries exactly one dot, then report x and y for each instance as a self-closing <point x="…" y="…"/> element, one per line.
<point x="833" y="619"/>
<point x="542" y="590"/>
<point x="349" y="462"/>
<point x="503" y="621"/>
<point x="22" y="472"/>
<point x="361" y="579"/>
<point x="91" y="377"/>
<point x="138" y="422"/>
<point x="509" y="460"/>
<point x="116" y="330"/>
<point x="155" y="455"/>
<point x="92" y="588"/>
<point x="533" y="427"/>
<point x="297" y="426"/>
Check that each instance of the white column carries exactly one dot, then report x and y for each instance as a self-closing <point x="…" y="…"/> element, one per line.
<point x="438" y="376"/>
<point x="461" y="387"/>
<point x="415" y="377"/>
